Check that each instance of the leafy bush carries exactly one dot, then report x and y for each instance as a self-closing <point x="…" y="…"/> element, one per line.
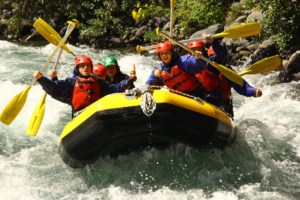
<point x="152" y="37"/>
<point x="198" y="14"/>
<point x="236" y="10"/>
<point x="111" y="18"/>
<point x="281" y="20"/>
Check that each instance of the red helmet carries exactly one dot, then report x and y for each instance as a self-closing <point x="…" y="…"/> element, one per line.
<point x="99" y="69"/>
<point x="210" y="51"/>
<point x="82" y="59"/>
<point x="196" y="44"/>
<point x="164" y="46"/>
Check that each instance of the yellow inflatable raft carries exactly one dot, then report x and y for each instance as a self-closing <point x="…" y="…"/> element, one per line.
<point x="143" y="118"/>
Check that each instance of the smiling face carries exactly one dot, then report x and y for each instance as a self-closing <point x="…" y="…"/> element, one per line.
<point x="111" y="71"/>
<point x="165" y="56"/>
<point x="85" y="69"/>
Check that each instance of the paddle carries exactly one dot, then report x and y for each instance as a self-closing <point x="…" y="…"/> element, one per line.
<point x="241" y="30"/>
<point x="265" y="65"/>
<point x="50" y="34"/>
<point x="37" y="117"/>
<point x="39" y="111"/>
<point x="228" y="73"/>
<point x="172" y="4"/>
<point x="16" y="104"/>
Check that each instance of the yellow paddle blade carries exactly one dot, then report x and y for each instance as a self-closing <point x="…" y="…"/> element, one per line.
<point x="37" y="117"/>
<point x="49" y="33"/>
<point x="265" y="65"/>
<point x="172" y="3"/>
<point x="14" y="107"/>
<point x="138" y="49"/>
<point x="241" y="30"/>
<point x="228" y="73"/>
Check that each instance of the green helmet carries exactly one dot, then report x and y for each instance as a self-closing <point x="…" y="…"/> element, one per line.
<point x="110" y="60"/>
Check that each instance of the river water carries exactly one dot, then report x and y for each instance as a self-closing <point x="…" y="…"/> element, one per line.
<point x="263" y="163"/>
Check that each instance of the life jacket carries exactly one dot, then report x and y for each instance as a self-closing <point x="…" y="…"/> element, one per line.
<point x="225" y="87"/>
<point x="215" y="84"/>
<point x="85" y="92"/>
<point x="180" y="80"/>
<point x="210" y="51"/>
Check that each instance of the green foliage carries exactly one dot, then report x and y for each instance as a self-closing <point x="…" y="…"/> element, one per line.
<point x="139" y="13"/>
<point x="106" y="19"/>
<point x="152" y="37"/>
<point x="281" y="20"/>
<point x="146" y="12"/>
<point x="198" y="14"/>
<point x="236" y="10"/>
<point x="112" y="18"/>
<point x="14" y="25"/>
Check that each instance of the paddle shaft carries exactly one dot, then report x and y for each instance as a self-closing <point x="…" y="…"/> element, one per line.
<point x="61" y="50"/>
<point x="172" y="3"/>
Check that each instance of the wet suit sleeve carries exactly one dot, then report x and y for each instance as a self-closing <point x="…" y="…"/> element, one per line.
<point x="191" y="65"/>
<point x="108" y="88"/>
<point x="246" y="90"/>
<point x="125" y="77"/>
<point x="153" y="80"/>
<point x="60" y="90"/>
<point x="219" y="57"/>
<point x="221" y="53"/>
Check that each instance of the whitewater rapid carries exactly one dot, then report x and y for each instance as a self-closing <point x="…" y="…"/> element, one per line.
<point x="263" y="163"/>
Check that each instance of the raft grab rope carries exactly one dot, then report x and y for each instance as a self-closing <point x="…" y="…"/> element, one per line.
<point x="148" y="103"/>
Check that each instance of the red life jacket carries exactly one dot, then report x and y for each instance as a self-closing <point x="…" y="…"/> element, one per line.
<point x="213" y="83"/>
<point x="85" y="92"/>
<point x="180" y="80"/>
<point x="210" y="51"/>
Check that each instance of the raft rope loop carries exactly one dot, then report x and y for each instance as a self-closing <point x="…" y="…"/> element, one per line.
<point x="148" y="104"/>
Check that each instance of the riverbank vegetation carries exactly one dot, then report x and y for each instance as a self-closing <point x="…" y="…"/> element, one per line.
<point x="100" y="21"/>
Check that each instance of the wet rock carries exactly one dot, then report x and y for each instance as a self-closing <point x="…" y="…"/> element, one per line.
<point x="117" y="42"/>
<point x="241" y="19"/>
<point x="216" y="28"/>
<point x="244" y="53"/>
<point x="291" y="69"/>
<point x="266" y="49"/>
<point x="285" y="76"/>
<point x="166" y="27"/>
<point x="235" y="59"/>
<point x="151" y="24"/>
<point x="252" y="47"/>
<point x="256" y="15"/>
<point x="296" y="77"/>
<point x="3" y="27"/>
<point x="241" y="48"/>
<point x="141" y="31"/>
<point x="26" y="27"/>
<point x="294" y="63"/>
